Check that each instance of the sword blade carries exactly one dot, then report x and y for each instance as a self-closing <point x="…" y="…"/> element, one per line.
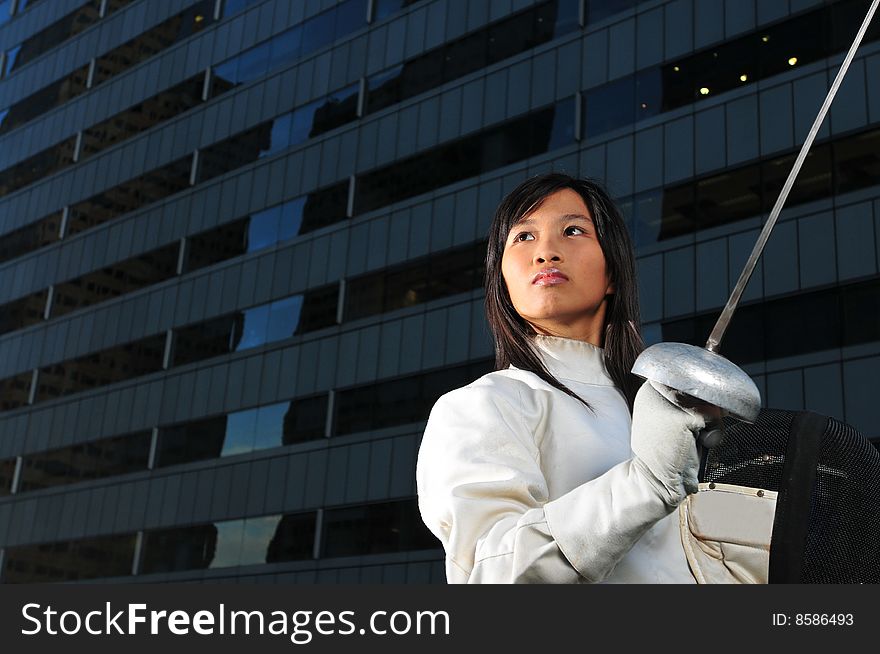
<point x="720" y="328"/>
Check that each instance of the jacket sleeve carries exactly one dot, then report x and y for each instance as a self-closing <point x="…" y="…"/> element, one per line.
<point x="483" y="494"/>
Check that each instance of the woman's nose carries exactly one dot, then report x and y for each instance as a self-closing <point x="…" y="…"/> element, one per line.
<point x="544" y="257"/>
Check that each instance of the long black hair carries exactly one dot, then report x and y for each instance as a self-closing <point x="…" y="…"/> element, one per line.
<point x="513" y="335"/>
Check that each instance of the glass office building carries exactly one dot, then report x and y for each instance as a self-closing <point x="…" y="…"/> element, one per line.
<point x="241" y="248"/>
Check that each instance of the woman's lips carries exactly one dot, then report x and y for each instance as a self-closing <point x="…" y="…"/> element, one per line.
<point x="549" y="277"/>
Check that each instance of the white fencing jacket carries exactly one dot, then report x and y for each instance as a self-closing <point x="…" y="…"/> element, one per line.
<point x="521" y="483"/>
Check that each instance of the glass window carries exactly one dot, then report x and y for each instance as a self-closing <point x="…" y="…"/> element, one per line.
<point x="240" y="431"/>
<point x="5" y="11"/>
<point x="284" y="316"/>
<point x="274" y="425"/>
<point x="101" y="368"/>
<point x="37" y="166"/>
<point x="118" y="279"/>
<point x="53" y="35"/>
<point x="254" y="328"/>
<point x="729" y="196"/>
<point x="14" y="391"/>
<point x="31" y="237"/>
<point x="861" y="313"/>
<point x="205" y="340"/>
<point x="181" y="26"/>
<point x="293" y="539"/>
<point x="189" y="548"/>
<point x="263" y="229"/>
<point x="140" y="117"/>
<point x="375" y="529"/>
<point x="648" y="217"/>
<point x="97" y="459"/>
<point x="221" y="243"/>
<point x="134" y="194"/>
<point x="11" y="59"/>
<point x="89" y="558"/>
<point x="857" y="161"/>
<point x="399" y="401"/>
<point x="383" y="89"/>
<point x="465" y="55"/>
<point x="7" y="466"/>
<point x="320" y="208"/>
<point x="192" y="441"/>
<point x="610" y="106"/>
<point x="41" y="101"/>
<point x="252" y="541"/>
<point x="548" y="128"/>
<point x="22" y="312"/>
<point x="319" y="309"/>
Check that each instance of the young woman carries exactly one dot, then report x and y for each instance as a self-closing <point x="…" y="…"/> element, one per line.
<point x="539" y="472"/>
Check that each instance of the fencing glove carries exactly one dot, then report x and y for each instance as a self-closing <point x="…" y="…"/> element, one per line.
<point x="663" y="439"/>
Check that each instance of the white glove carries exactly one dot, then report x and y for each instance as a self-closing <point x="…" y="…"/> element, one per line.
<point x="664" y="440"/>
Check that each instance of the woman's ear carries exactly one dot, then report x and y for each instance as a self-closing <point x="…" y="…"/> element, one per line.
<point x="610" y="290"/>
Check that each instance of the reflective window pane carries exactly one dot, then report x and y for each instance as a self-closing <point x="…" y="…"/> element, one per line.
<point x="375" y="529"/>
<point x="89" y="558"/>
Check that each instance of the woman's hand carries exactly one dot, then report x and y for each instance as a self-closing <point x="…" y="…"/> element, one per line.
<point x="663" y="440"/>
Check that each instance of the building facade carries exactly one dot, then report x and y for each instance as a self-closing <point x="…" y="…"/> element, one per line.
<point x="241" y="248"/>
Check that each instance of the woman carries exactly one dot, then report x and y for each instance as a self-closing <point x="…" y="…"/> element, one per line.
<point x="537" y="472"/>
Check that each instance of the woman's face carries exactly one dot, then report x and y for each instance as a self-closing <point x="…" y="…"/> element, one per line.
<point x="555" y="270"/>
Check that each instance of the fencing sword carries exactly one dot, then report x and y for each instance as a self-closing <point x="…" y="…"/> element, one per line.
<point x="702" y="373"/>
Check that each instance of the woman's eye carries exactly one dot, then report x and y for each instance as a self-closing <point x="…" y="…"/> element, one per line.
<point x="523" y="236"/>
<point x="577" y="230"/>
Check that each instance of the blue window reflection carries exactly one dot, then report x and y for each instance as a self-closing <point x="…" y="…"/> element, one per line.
<point x="270" y="425"/>
<point x="227" y="71"/>
<point x="240" y="429"/>
<point x="291" y="218"/>
<point x="284" y="318"/>
<point x="263" y="229"/>
<point x="227" y="550"/>
<point x="5" y="11"/>
<point x="256" y="322"/>
<point x="280" y="136"/>
<point x="257" y="534"/>
<point x="303" y="120"/>
<point x="11" y="56"/>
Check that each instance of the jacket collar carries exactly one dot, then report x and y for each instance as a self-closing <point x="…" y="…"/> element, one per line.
<point x="573" y="360"/>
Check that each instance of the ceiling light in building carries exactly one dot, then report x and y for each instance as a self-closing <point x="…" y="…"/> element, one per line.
<point x="199" y="18"/>
<point x="765" y="38"/>
<point x="676" y="68"/>
<point x="743" y="78"/>
<point x="792" y="61"/>
<point x="644" y="105"/>
<point x="704" y="90"/>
